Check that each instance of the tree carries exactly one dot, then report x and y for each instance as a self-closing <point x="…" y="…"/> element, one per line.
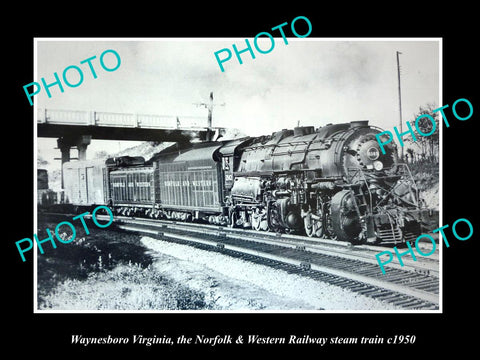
<point x="101" y="154"/>
<point x="428" y="145"/>
<point x="41" y="161"/>
<point x="411" y="154"/>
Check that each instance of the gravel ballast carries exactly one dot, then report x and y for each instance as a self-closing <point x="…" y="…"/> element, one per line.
<point x="235" y="284"/>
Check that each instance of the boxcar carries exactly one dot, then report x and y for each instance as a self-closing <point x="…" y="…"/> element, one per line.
<point x="191" y="181"/>
<point x="42" y="179"/>
<point x="85" y="182"/>
<point x="132" y="186"/>
<point x="45" y="196"/>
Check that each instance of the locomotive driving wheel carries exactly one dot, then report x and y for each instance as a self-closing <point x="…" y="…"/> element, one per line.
<point x="256" y="219"/>
<point x="233" y="218"/>
<point x="273" y="217"/>
<point x="313" y="225"/>
<point x="314" y="221"/>
<point x="344" y="217"/>
<point x="259" y="219"/>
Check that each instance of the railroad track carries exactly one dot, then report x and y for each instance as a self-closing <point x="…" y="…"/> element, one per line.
<point x="414" y="286"/>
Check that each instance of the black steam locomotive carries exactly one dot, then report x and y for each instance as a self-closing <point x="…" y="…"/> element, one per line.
<point x="327" y="182"/>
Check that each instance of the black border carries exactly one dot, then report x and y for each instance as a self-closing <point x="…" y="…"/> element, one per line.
<point x="51" y="333"/>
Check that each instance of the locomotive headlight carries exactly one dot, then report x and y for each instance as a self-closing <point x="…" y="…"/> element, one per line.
<point x="373" y="153"/>
<point x="378" y="165"/>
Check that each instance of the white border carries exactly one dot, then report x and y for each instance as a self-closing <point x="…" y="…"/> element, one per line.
<point x="440" y="97"/>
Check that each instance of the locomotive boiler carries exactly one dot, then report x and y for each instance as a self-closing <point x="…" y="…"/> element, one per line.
<point x="332" y="182"/>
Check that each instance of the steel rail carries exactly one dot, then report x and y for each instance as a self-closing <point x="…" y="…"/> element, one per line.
<point x="430" y="298"/>
<point x="366" y="253"/>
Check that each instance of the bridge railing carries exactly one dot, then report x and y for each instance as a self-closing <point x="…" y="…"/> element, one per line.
<point x="72" y="117"/>
<point x="94" y="118"/>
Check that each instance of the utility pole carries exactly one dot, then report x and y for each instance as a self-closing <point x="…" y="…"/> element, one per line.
<point x="210" y="110"/>
<point x="400" y="102"/>
<point x="209" y="107"/>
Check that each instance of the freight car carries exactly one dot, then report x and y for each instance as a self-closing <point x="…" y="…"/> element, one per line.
<point x="130" y="188"/>
<point x="327" y="182"/>
<point x="85" y="183"/>
<point x="42" y="179"/>
<point x="123" y="183"/>
<point x="189" y="183"/>
<point x="45" y="196"/>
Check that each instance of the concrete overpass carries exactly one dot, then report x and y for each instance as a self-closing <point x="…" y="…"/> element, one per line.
<point x="121" y="126"/>
<point x="77" y="128"/>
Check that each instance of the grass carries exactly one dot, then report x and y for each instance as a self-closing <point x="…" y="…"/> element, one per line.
<point x="125" y="287"/>
<point x="107" y="270"/>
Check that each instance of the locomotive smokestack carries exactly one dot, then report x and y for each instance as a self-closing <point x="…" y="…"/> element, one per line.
<point x="303" y="130"/>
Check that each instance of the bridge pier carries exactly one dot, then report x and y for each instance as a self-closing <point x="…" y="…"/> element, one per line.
<point x="82" y="149"/>
<point x="65" y="143"/>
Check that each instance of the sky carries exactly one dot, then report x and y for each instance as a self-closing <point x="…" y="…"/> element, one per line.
<point x="310" y="81"/>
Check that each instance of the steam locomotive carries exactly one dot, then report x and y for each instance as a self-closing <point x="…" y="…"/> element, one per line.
<point x="328" y="182"/>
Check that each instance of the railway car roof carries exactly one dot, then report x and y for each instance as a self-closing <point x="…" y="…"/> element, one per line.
<point x="200" y="152"/>
<point x="230" y="146"/>
<point x="84" y="163"/>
